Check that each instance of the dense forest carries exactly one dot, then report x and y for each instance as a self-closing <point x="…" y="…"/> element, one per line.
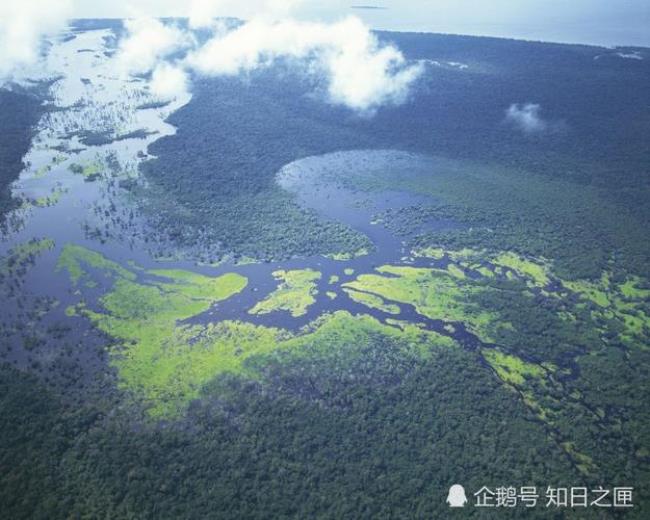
<point x="598" y="122"/>
<point x="20" y="110"/>
<point x="380" y="437"/>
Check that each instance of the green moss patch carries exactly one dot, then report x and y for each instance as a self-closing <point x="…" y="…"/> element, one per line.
<point x="198" y="286"/>
<point x="342" y="331"/>
<point x="624" y="303"/>
<point x="295" y="294"/>
<point x="594" y="292"/>
<point x="437" y="253"/>
<point x="512" y="369"/>
<point x="536" y="272"/>
<point x="434" y="293"/>
<point x="73" y="259"/>
<point x="343" y="257"/>
<point x="373" y="301"/>
<point x="160" y="358"/>
<point x="631" y="290"/>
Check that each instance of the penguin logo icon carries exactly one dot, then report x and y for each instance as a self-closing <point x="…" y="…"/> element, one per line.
<point x="456" y="497"/>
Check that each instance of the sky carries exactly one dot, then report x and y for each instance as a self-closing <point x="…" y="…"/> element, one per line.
<point x="599" y="22"/>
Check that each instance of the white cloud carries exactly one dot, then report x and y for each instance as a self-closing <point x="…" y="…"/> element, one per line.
<point x="526" y="117"/>
<point x="202" y="13"/>
<point x="168" y="82"/>
<point x="345" y="58"/>
<point x="361" y="73"/>
<point x="634" y="55"/>
<point x="23" y="24"/>
<point x="148" y="42"/>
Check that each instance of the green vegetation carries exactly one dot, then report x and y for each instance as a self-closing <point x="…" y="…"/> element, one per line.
<point x="539" y="392"/>
<point x="512" y="369"/>
<point x="168" y="365"/>
<point x="90" y="172"/>
<point x="456" y="271"/>
<point x="507" y="264"/>
<point x="536" y="272"/>
<point x="20" y="111"/>
<point x="437" y="253"/>
<point x="484" y="271"/>
<point x="26" y="252"/>
<point x="373" y="301"/>
<point x="583" y="462"/>
<point x="593" y="291"/>
<point x="295" y="294"/>
<point x="505" y="209"/>
<point x="50" y="200"/>
<point x="618" y="309"/>
<point x="341" y="332"/>
<point x="14" y="264"/>
<point x="197" y="286"/>
<point x="630" y="289"/>
<point x="337" y="415"/>
<point x="74" y="257"/>
<point x="434" y="294"/>
<point x="161" y="360"/>
<point x="345" y="256"/>
<point x="46" y="168"/>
